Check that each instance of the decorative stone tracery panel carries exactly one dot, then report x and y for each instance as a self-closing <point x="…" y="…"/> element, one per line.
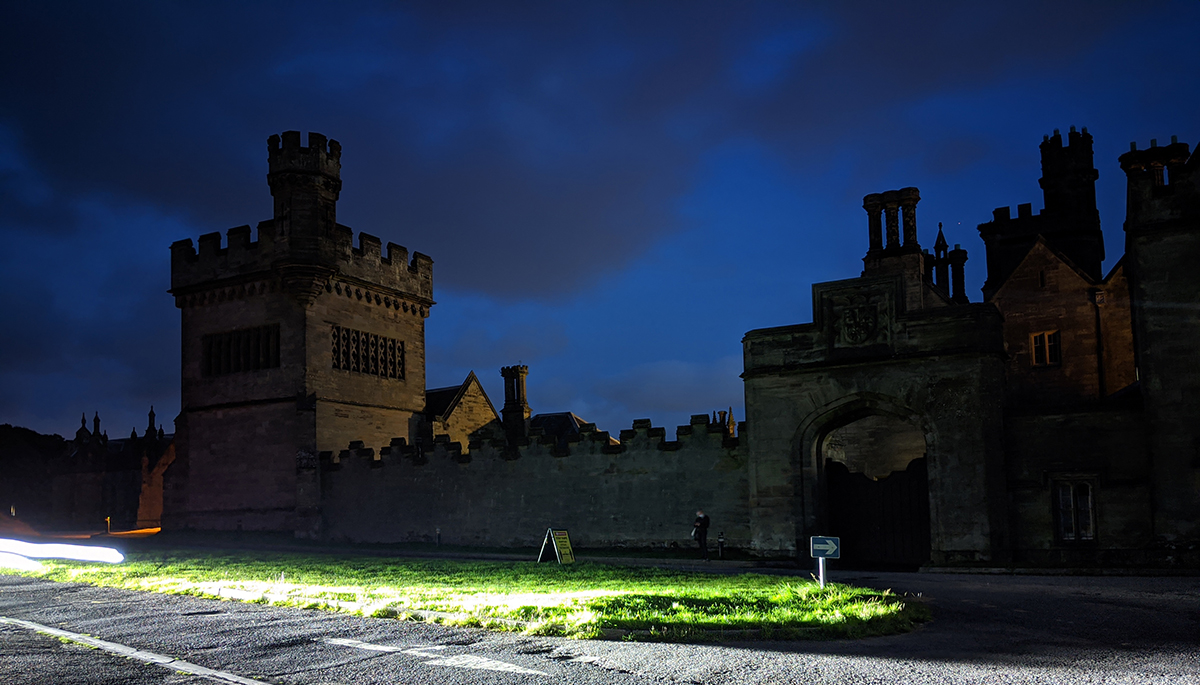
<point x="362" y="352"/>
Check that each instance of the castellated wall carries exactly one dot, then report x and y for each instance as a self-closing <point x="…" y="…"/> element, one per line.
<point x="242" y="257"/>
<point x="643" y="492"/>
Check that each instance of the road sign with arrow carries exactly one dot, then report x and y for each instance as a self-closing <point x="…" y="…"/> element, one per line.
<point x="825" y="548"/>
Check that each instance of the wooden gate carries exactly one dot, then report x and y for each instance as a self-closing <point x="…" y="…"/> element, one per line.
<point x="882" y="523"/>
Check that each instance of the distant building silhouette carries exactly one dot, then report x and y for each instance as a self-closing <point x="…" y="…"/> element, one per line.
<point x="59" y="485"/>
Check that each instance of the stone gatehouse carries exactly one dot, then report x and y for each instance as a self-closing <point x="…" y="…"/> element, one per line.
<point x="1057" y="421"/>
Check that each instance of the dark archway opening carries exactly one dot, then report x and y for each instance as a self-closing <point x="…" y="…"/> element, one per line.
<point x="877" y="493"/>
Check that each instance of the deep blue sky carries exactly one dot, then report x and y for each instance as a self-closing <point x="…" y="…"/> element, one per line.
<point x="612" y="194"/>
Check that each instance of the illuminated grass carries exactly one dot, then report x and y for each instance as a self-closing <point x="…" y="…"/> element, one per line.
<point x="585" y="600"/>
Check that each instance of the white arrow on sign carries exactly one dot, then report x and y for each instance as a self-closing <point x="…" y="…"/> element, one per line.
<point x="828" y="546"/>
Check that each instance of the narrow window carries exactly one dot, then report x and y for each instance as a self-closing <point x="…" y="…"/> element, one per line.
<point x="206" y="356"/>
<point x="1041" y="279"/>
<point x="1074" y="511"/>
<point x="247" y="349"/>
<point x="226" y="353"/>
<point x="337" y="347"/>
<point x="1046" y="348"/>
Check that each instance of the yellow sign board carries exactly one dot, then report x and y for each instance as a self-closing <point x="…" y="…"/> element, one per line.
<point x="561" y="542"/>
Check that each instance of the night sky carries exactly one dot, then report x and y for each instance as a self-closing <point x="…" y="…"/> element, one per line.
<point x="613" y="194"/>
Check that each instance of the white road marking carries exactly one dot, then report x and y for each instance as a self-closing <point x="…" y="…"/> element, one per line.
<point x="479" y="662"/>
<point x="358" y="644"/>
<point x="457" y="661"/>
<point x="122" y="650"/>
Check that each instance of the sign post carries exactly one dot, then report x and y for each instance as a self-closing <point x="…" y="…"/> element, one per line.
<point x="560" y="542"/>
<point x="822" y="548"/>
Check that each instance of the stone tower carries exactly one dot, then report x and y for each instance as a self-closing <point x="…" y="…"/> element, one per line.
<point x="294" y="343"/>
<point x="1162" y="249"/>
<point x="1069" y="221"/>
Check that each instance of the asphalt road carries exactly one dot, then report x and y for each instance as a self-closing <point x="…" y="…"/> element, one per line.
<point x="986" y="629"/>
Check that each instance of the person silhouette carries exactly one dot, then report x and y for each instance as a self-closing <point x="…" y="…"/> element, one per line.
<point x="700" y="532"/>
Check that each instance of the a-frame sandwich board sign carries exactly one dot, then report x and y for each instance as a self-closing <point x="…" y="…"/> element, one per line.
<point x="561" y="543"/>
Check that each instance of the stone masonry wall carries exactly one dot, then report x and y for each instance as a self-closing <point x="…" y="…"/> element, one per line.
<point x="220" y="475"/>
<point x="641" y="493"/>
<point x="940" y="370"/>
<point x="1162" y="227"/>
<point x="1044" y="294"/>
<point x="1106" y="447"/>
<point x="362" y="406"/>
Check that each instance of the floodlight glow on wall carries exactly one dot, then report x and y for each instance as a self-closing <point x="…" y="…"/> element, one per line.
<point x="30" y="550"/>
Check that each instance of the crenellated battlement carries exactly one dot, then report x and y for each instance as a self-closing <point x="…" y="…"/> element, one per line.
<point x="1075" y="156"/>
<point x="285" y="154"/>
<point x="641" y="491"/>
<point x="238" y="258"/>
<point x="302" y="245"/>
<point x="1162" y="183"/>
<point x="703" y="433"/>
<point x="365" y="268"/>
<point x="394" y="270"/>
<point x="1069" y="220"/>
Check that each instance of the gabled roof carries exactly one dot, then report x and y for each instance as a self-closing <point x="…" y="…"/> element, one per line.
<point x="441" y="402"/>
<point x="561" y="425"/>
<point x="1086" y="277"/>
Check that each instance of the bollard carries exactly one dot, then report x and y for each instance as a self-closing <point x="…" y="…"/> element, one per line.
<point x="439" y="536"/>
<point x="721" y="545"/>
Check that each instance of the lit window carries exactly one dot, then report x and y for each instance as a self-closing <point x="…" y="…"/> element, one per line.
<point x="1047" y="348"/>
<point x="1074" y="510"/>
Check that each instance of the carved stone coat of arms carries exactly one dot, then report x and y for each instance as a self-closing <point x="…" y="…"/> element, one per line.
<point x="859" y="319"/>
<point x="859" y="323"/>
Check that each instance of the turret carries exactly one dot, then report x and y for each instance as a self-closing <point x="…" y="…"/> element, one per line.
<point x="1160" y="183"/>
<point x="940" y="261"/>
<point x="305" y="182"/>
<point x="1069" y="179"/>
<point x="1162" y="250"/>
<point x="1069" y="221"/>
<point x="82" y="435"/>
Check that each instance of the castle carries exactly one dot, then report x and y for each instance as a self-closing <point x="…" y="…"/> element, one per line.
<point x="1056" y="422"/>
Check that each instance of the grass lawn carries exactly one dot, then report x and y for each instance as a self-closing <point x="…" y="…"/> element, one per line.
<point x="583" y="600"/>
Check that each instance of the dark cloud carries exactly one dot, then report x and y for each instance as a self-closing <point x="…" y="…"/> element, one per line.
<point x="525" y="132"/>
<point x="533" y="149"/>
